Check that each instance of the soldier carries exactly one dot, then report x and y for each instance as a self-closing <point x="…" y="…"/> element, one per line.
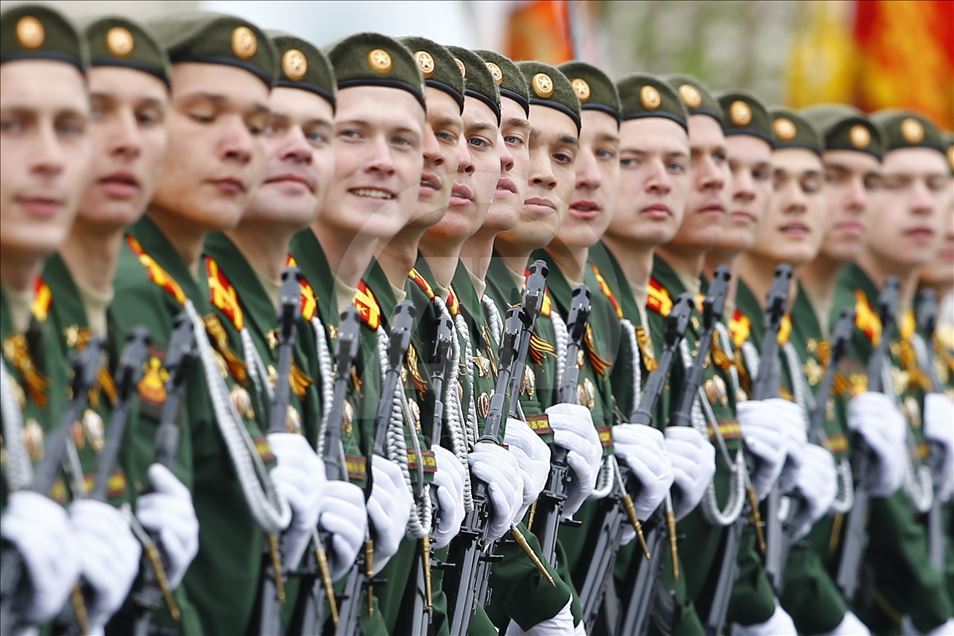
<point x="906" y="232"/>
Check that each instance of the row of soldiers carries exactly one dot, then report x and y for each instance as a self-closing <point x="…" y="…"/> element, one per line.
<point x="399" y="338"/>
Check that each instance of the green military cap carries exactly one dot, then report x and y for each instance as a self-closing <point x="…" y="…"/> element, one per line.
<point x="550" y="87"/>
<point x="116" y="41"/>
<point x="792" y="131"/>
<point x="303" y="66"/>
<point x="215" y="38"/>
<point x="907" y="129"/>
<point x="949" y="145"/>
<point x="696" y="97"/>
<point x="372" y="59"/>
<point x="745" y="115"/>
<point x="35" y="32"/>
<point x="593" y="88"/>
<point x="439" y="68"/>
<point x="643" y="95"/>
<point x="510" y="81"/>
<point x="478" y="80"/>
<point x="843" y="127"/>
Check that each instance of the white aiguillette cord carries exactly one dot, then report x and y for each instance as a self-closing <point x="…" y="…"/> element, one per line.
<point x="19" y="471"/>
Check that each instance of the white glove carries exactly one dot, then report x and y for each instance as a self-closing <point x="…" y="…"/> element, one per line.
<point x="533" y="459"/>
<point x="944" y="629"/>
<point x="643" y="450"/>
<point x="818" y="484"/>
<point x="449" y="489"/>
<point x="497" y="467"/>
<point x="939" y="428"/>
<point x="559" y="625"/>
<point x="573" y="430"/>
<point x="389" y="508"/>
<point x="762" y="431"/>
<point x="580" y="629"/>
<point x="168" y="511"/>
<point x="794" y="424"/>
<point x="882" y="426"/>
<point x="779" y="624"/>
<point x="849" y="626"/>
<point x="693" y="466"/>
<point x="300" y="479"/>
<point x="109" y="554"/>
<point x="345" y="519"/>
<point x="41" y="530"/>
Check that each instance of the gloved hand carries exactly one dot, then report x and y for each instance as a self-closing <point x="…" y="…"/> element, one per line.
<point x="849" y="626"/>
<point x="573" y="430"/>
<point x="41" y="530"/>
<point x="693" y="466"/>
<point x="780" y="624"/>
<point x="449" y="488"/>
<point x="109" y="554"/>
<point x="389" y="508"/>
<point x="882" y="426"/>
<point x="818" y="484"/>
<point x="939" y="429"/>
<point x="300" y="479"/>
<point x="944" y="629"/>
<point x="345" y="519"/>
<point x="497" y="467"/>
<point x="643" y="450"/>
<point x="168" y="512"/>
<point x="794" y="424"/>
<point x="533" y="459"/>
<point x="559" y="625"/>
<point x="765" y="439"/>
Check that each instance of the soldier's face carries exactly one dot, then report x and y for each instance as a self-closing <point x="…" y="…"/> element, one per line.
<point x="939" y="273"/>
<point x="442" y="132"/>
<point x="908" y="210"/>
<point x="597" y="171"/>
<point x="378" y="161"/>
<point x="129" y="135"/>
<point x="797" y="219"/>
<point x="215" y="158"/>
<point x="750" y="162"/>
<point x="850" y="178"/>
<point x="653" y="182"/>
<point x="44" y="154"/>
<point x="512" y="185"/>
<point x="706" y="215"/>
<point x="299" y="159"/>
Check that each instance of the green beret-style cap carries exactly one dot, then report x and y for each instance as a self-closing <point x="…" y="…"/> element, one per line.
<point x="372" y="59"/>
<point x="949" y="145"/>
<point x="303" y="66"/>
<point x="478" y="81"/>
<point x="745" y="115"/>
<point x="216" y="38"/>
<point x="907" y="129"/>
<point x="550" y="87"/>
<point x="438" y="66"/>
<point x="643" y="95"/>
<point x="843" y="127"/>
<point x="593" y="88"/>
<point x="116" y="41"/>
<point x="696" y="97"/>
<point x="510" y="81"/>
<point x="35" y="32"/>
<point x="793" y="131"/>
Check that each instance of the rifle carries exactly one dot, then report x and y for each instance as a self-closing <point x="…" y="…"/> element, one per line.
<point x="289" y="312"/>
<point x="550" y="503"/>
<point x="362" y="572"/>
<point x="767" y="385"/>
<point x="14" y="577"/>
<point x="856" y="533"/>
<point x="152" y="587"/>
<point x="610" y="536"/>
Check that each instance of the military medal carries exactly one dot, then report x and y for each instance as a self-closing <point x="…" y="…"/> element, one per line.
<point x="242" y="402"/>
<point x="483" y="404"/>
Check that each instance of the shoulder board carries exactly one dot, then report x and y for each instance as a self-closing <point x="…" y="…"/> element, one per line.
<point x="222" y="294"/>
<point x="156" y="274"/>
<point x="785" y="329"/>
<point x="417" y="279"/>
<point x="309" y="300"/>
<point x="42" y="299"/>
<point x="453" y="305"/>
<point x="367" y="306"/>
<point x="740" y="328"/>
<point x="658" y="299"/>
<point x="606" y="291"/>
<point x="866" y="319"/>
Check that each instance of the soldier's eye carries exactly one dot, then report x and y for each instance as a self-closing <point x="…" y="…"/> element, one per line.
<point x="513" y="140"/>
<point x="936" y="183"/>
<point x="606" y="154"/>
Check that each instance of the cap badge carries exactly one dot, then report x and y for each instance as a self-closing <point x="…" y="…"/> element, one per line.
<point x="380" y="61"/>
<point x="425" y="62"/>
<point x="495" y="72"/>
<point x="859" y="136"/>
<point x="784" y="129"/>
<point x="690" y="95"/>
<point x="581" y="88"/>
<point x="542" y="85"/>
<point x="119" y="41"/>
<point x="30" y="32"/>
<point x="649" y="97"/>
<point x="740" y="113"/>
<point x="461" y="67"/>
<point x="294" y="64"/>
<point x="244" y="43"/>
<point x="912" y="131"/>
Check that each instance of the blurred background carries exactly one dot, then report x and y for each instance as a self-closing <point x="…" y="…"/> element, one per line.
<point x="871" y="53"/>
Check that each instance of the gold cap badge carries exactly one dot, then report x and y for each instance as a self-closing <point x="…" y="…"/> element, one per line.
<point x="859" y="136"/>
<point x="784" y="128"/>
<point x="294" y="64"/>
<point x="461" y="68"/>
<point x="244" y="43"/>
<point x="30" y="32"/>
<point x="119" y="41"/>
<point x="581" y="88"/>
<point x="380" y="61"/>
<point x="649" y="97"/>
<point x="690" y="95"/>
<point x="912" y="131"/>
<point x="425" y="62"/>
<point x="495" y="72"/>
<point x="740" y="113"/>
<point x="542" y="85"/>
